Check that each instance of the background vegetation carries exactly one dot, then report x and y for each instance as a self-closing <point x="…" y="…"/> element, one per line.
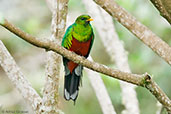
<point x="34" y="17"/>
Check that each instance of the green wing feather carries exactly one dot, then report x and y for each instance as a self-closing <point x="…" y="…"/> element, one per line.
<point x="92" y="40"/>
<point x="66" y="41"/>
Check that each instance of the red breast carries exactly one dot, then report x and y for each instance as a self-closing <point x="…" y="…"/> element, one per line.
<point x="80" y="48"/>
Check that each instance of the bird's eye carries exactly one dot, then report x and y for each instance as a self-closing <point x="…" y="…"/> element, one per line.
<point x="82" y="18"/>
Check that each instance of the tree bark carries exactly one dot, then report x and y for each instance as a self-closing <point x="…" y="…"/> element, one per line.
<point x="19" y="80"/>
<point x="54" y="60"/>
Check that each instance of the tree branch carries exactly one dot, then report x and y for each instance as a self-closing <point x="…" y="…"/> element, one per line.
<point x="49" y="45"/>
<point x="143" y="80"/>
<point x="138" y="29"/>
<point x="18" y="79"/>
<point x="164" y="7"/>
<point x="54" y="60"/>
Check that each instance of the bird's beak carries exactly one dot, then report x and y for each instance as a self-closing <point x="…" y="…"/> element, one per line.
<point x="89" y="19"/>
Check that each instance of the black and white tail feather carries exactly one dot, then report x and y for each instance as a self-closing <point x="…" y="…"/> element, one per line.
<point x="72" y="81"/>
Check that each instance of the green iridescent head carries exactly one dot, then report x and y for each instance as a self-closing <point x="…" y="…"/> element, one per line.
<point x="83" y="20"/>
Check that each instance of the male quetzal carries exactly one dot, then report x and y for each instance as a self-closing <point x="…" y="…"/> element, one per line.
<point x="78" y="38"/>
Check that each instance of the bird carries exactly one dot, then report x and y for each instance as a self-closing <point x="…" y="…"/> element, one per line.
<point x="78" y="38"/>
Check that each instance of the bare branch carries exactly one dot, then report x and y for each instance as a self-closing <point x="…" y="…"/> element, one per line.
<point x="164" y="7"/>
<point x="54" y="60"/>
<point x="138" y="29"/>
<point x="49" y="45"/>
<point x="101" y="92"/>
<point x="18" y="79"/>
<point x="143" y="80"/>
<point x="105" y="28"/>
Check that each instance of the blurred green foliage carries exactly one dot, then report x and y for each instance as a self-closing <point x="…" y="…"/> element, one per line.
<point x="36" y="20"/>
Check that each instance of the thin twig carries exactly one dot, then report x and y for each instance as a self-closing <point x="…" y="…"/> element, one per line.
<point x="143" y="80"/>
<point x="18" y="79"/>
<point x="142" y="32"/>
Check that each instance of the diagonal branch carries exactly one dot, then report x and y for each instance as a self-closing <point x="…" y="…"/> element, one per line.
<point x="143" y="80"/>
<point x="49" y="45"/>
<point x="18" y="79"/>
<point x="142" y="32"/>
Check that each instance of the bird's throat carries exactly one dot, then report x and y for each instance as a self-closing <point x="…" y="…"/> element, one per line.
<point x="82" y="33"/>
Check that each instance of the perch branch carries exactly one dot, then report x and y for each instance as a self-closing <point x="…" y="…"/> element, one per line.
<point x="143" y="80"/>
<point x="49" y="45"/>
<point x="138" y="29"/>
<point x="18" y="79"/>
<point x="164" y="7"/>
<point x="106" y="30"/>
